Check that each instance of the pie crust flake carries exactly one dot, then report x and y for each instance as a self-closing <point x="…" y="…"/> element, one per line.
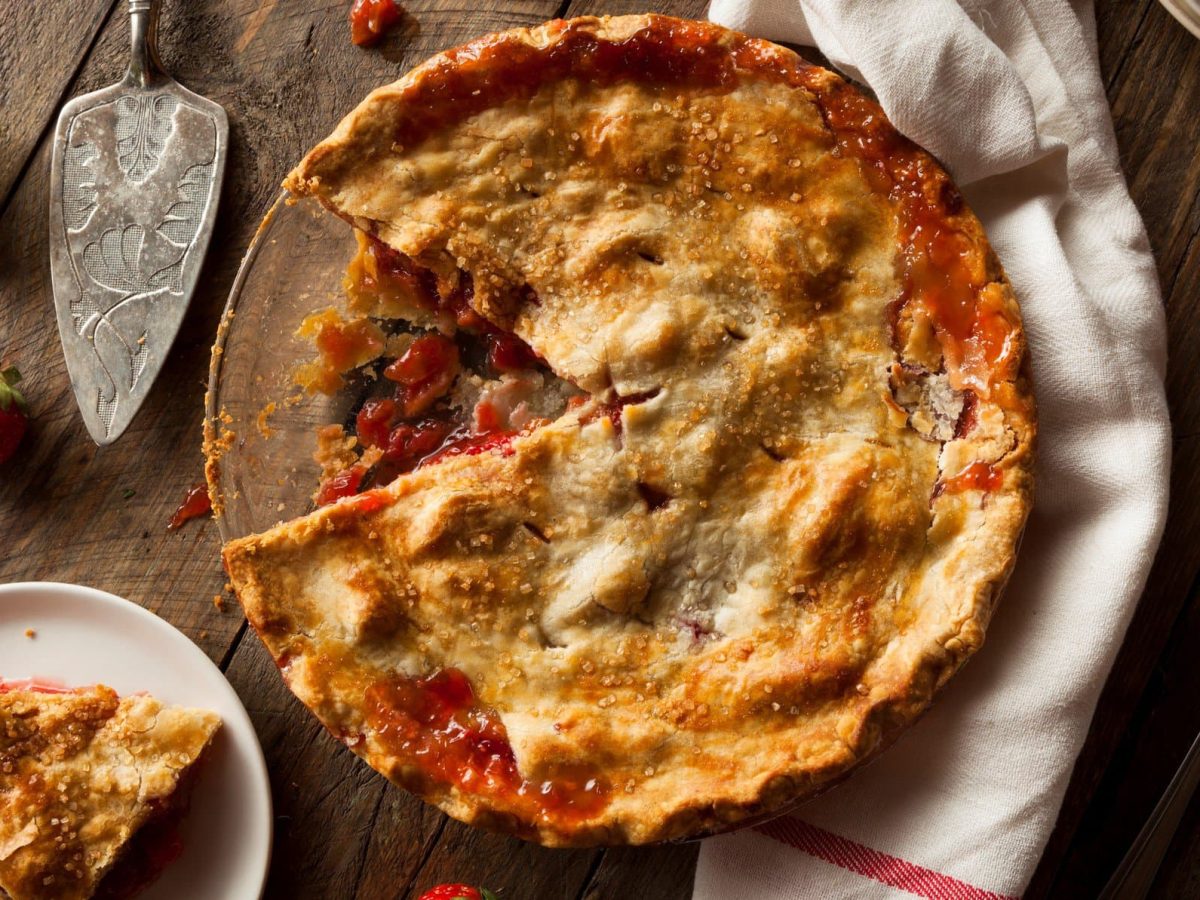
<point x="777" y="518"/>
<point x="82" y="772"/>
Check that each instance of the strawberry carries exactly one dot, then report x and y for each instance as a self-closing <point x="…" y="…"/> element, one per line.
<point x="369" y="19"/>
<point x="457" y="892"/>
<point x="14" y="413"/>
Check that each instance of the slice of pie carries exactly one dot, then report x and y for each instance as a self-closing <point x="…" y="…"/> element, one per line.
<point x="91" y="786"/>
<point x="772" y="514"/>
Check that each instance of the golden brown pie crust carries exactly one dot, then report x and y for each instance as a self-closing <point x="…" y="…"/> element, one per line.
<point x="717" y="597"/>
<point x="80" y="773"/>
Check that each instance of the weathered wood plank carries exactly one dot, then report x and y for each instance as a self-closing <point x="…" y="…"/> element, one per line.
<point x="1117" y="29"/>
<point x="652" y="872"/>
<point x="684" y="9"/>
<point x="40" y="48"/>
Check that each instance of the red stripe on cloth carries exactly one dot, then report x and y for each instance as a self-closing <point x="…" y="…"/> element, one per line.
<point x="875" y="864"/>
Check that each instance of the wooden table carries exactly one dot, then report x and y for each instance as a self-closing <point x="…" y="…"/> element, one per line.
<point x="286" y="71"/>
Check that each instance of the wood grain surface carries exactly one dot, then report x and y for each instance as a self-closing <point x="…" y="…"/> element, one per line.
<point x="286" y="71"/>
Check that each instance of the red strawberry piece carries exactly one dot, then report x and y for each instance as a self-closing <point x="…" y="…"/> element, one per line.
<point x="426" y="370"/>
<point x="14" y="414"/>
<point x="370" y="19"/>
<point x="374" y="422"/>
<point x="457" y="892"/>
<point x="344" y="484"/>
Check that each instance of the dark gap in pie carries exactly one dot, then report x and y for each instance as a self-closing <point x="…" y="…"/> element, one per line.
<point x="655" y="499"/>
<point x="736" y="333"/>
<point x="969" y="416"/>
<point x="611" y="409"/>
<point x="892" y="313"/>
<point x="934" y="408"/>
<point x="465" y="386"/>
<point x="547" y="642"/>
<point x="939" y="488"/>
<point x="536" y="532"/>
<point x="698" y="630"/>
<point x="772" y="452"/>
<point x="526" y="189"/>
<point x="606" y="377"/>
<point x="651" y="258"/>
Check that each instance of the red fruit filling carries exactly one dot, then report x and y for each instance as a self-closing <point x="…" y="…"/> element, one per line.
<point x="436" y="725"/>
<point x="978" y="476"/>
<point x="155" y="846"/>
<point x="508" y="353"/>
<point x="613" y="408"/>
<point x="344" y="484"/>
<point x="420" y="420"/>
<point x="426" y="371"/>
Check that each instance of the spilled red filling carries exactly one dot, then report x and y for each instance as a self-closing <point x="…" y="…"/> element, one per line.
<point x="436" y="725"/>
<point x="195" y="503"/>
<point x="370" y="20"/>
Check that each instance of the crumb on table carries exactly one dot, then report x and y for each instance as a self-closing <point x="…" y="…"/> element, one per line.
<point x="30" y="633"/>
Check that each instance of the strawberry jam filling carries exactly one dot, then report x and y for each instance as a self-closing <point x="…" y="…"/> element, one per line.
<point x="978" y="476"/>
<point x="435" y="725"/>
<point x="345" y="483"/>
<point x="156" y="845"/>
<point x="944" y="271"/>
<point x="425" y="371"/>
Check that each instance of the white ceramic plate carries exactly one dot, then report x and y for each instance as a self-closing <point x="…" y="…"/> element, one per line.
<point x="85" y="636"/>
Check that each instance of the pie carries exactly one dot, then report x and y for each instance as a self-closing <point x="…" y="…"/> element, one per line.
<point x="91" y="786"/>
<point x="770" y="513"/>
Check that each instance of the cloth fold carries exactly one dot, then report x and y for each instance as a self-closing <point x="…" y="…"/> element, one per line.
<point x="1007" y="94"/>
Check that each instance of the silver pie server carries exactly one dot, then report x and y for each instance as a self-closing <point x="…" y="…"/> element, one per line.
<point x="134" y="183"/>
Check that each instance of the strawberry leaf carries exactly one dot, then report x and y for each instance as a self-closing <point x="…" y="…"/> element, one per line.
<point x="9" y="395"/>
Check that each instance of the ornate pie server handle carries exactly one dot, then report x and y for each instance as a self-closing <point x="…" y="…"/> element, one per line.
<point x="1138" y="870"/>
<point x="144" y="64"/>
<point x="135" y="181"/>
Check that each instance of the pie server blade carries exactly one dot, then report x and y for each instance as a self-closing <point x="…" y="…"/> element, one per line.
<point x="134" y="182"/>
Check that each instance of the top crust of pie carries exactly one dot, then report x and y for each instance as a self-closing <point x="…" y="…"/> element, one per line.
<point x="722" y="596"/>
<point x="80" y="773"/>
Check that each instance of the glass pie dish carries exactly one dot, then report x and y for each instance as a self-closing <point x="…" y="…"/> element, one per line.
<point x="260" y="427"/>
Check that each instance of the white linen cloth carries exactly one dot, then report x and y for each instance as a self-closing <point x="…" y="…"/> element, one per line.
<point x="1008" y="95"/>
